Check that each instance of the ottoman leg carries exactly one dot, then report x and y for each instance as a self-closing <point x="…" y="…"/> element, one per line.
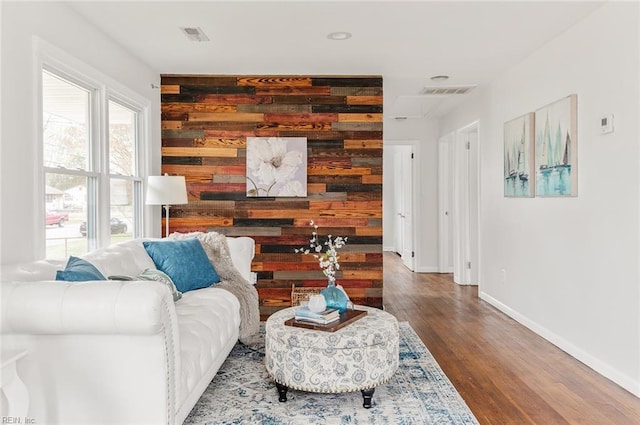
<point x="282" y="392"/>
<point x="367" y="395"/>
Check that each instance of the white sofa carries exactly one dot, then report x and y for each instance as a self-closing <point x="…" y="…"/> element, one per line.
<point x="114" y="352"/>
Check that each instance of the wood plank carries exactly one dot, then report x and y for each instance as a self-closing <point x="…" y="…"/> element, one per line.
<point x="316" y="188"/>
<point x="209" y="170"/>
<point x="372" y="179"/>
<point x="220" y="142"/>
<point x="316" y="170"/>
<point x="359" y="117"/>
<point x="369" y="231"/>
<point x="299" y="118"/>
<point x="189" y="89"/>
<point x="209" y="126"/>
<point x="200" y="151"/>
<point x="344" y="108"/>
<point x="231" y="99"/>
<point x="327" y="101"/>
<point x="327" y="222"/>
<point x="191" y="107"/>
<point x="225" y="117"/>
<point x="356" y="91"/>
<point x="307" y="126"/>
<point x="277" y="81"/>
<point x="364" y="100"/>
<point x="363" y="144"/>
<point x="198" y="80"/>
<point x="295" y="90"/>
<point x="170" y="88"/>
<point x="337" y="162"/>
<point x="344" y="205"/>
<point x="196" y="189"/>
<point x="348" y="81"/>
<point x="311" y="214"/>
<point x="177" y="142"/>
<point x="356" y="126"/>
<point x="354" y="188"/>
<point x="171" y="125"/>
<point x="200" y="221"/>
<point x="275" y="108"/>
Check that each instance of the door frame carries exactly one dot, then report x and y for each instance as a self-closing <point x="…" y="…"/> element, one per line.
<point x="414" y="145"/>
<point x="460" y="205"/>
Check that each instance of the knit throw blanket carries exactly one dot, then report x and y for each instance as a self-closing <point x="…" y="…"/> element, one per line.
<point x="217" y="250"/>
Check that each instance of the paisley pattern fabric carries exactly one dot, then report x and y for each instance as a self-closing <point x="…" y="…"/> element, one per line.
<point x="363" y="354"/>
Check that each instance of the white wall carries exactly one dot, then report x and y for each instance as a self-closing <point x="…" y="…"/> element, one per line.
<point x="423" y="133"/>
<point x="61" y="27"/>
<point x="571" y="264"/>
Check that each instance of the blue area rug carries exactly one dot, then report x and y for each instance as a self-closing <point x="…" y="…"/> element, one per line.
<point x="419" y="393"/>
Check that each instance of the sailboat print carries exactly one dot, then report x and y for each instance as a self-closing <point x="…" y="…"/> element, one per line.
<point x="522" y="171"/>
<point x="518" y="156"/>
<point x="555" y="154"/>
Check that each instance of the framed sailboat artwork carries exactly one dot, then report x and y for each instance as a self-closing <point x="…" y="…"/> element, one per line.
<point x="556" y="148"/>
<point x="519" y="175"/>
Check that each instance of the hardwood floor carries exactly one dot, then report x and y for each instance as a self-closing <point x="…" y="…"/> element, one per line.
<point x="505" y="373"/>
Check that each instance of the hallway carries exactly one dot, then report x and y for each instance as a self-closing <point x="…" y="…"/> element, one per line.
<point x="505" y="373"/>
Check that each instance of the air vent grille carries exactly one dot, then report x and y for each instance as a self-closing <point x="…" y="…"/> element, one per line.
<point x="195" y="34"/>
<point x="446" y="90"/>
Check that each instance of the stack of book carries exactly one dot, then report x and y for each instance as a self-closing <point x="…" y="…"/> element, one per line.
<point x="329" y="315"/>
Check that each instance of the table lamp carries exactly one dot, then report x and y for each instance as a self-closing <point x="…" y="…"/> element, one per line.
<point x="166" y="191"/>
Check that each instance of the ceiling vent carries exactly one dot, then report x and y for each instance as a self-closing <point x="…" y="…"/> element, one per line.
<point x="446" y="90"/>
<point x="195" y="34"/>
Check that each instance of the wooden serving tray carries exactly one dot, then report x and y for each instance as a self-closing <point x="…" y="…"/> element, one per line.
<point x="346" y="318"/>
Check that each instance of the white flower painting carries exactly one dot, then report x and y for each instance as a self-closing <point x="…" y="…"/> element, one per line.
<point x="276" y="166"/>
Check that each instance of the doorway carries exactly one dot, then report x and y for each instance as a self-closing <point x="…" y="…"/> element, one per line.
<point x="399" y="203"/>
<point x="459" y="205"/>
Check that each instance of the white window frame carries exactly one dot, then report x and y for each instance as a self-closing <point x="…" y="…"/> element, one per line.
<point x="104" y="89"/>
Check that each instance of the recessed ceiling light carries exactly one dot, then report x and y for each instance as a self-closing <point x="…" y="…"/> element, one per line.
<point x="440" y="78"/>
<point x="339" y="35"/>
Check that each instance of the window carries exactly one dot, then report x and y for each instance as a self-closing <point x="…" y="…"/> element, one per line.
<point x="125" y="183"/>
<point x="91" y="157"/>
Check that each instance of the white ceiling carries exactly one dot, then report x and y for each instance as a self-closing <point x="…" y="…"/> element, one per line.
<point x="405" y="42"/>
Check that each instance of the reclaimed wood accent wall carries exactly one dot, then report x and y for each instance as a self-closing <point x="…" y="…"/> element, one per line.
<point x="205" y="124"/>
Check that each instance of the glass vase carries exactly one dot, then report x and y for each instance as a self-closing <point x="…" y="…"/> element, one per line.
<point x="334" y="297"/>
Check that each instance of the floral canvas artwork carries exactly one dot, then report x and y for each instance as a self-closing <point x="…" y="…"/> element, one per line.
<point x="276" y="166"/>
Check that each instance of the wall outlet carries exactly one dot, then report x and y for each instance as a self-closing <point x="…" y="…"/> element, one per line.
<point x="503" y="276"/>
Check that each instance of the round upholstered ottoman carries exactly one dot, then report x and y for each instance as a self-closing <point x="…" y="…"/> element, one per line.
<point x="358" y="357"/>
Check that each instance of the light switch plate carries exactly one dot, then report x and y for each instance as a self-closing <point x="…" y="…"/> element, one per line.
<point x="606" y="124"/>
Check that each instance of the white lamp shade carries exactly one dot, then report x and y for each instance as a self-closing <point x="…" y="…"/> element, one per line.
<point x="166" y="190"/>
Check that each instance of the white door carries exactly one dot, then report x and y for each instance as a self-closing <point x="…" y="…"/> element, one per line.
<point x="398" y="218"/>
<point x="408" y="256"/>
<point x="465" y="195"/>
<point x="473" y="207"/>
<point x="445" y="207"/>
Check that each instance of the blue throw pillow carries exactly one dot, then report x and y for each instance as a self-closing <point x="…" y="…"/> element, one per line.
<point x="79" y="270"/>
<point x="184" y="261"/>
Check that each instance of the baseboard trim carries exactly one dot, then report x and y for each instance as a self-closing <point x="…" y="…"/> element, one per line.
<point x="428" y="269"/>
<point x="597" y="365"/>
